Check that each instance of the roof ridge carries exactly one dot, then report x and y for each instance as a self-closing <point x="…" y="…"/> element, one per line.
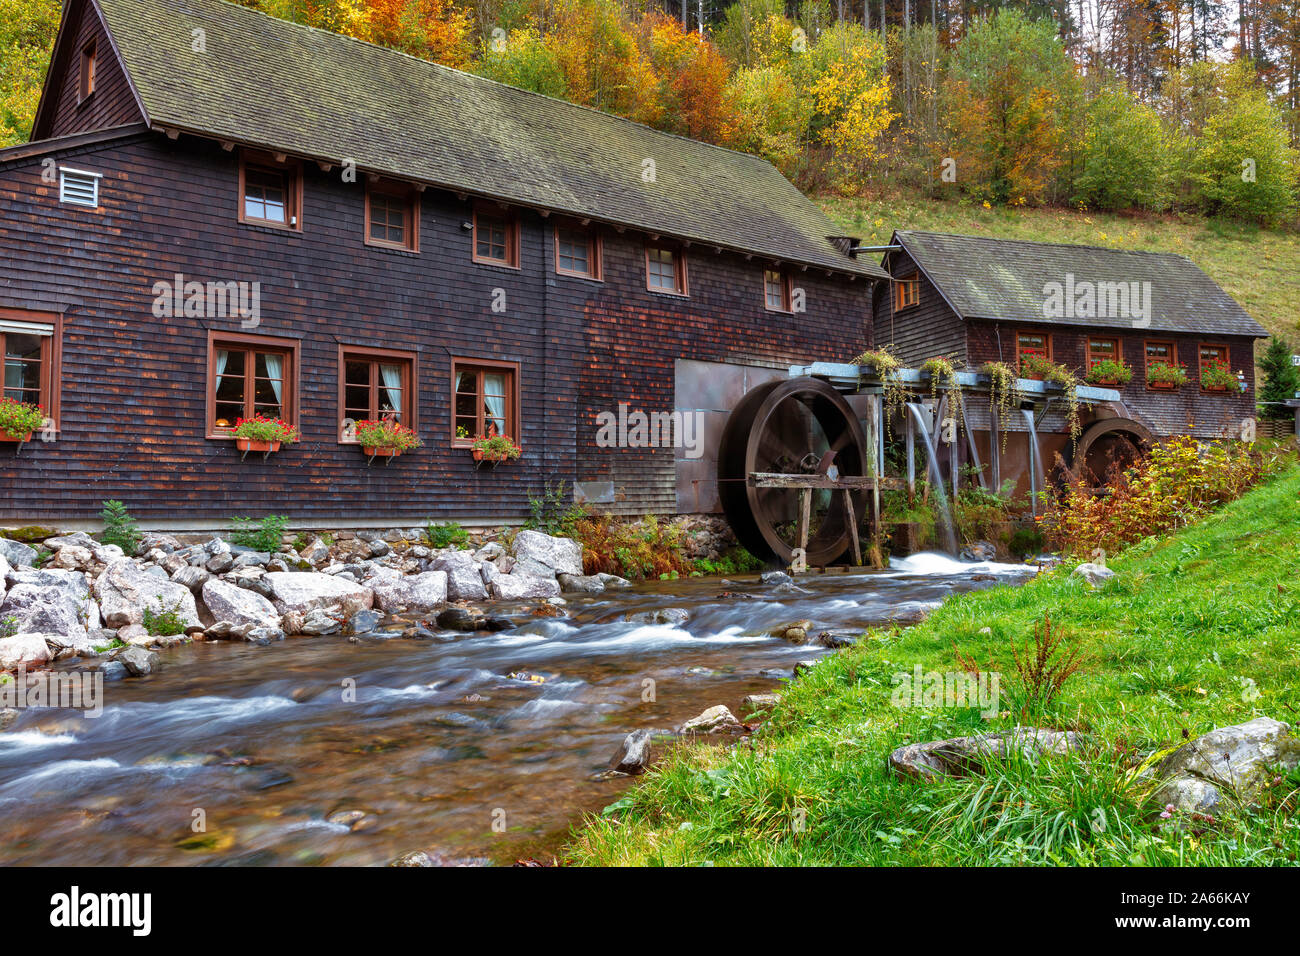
<point x="483" y="79"/>
<point x="1036" y="242"/>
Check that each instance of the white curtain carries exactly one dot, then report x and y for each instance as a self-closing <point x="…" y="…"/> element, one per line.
<point x="222" y="358"/>
<point x="392" y="376"/>
<point x="275" y="371"/>
<point x="495" y="403"/>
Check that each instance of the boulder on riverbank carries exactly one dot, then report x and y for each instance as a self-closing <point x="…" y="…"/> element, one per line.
<point x="237" y="606"/>
<point x="715" y="720"/>
<point x="959" y="756"/>
<point x="26" y="649"/>
<point x="304" y="591"/>
<point x="1229" y="763"/>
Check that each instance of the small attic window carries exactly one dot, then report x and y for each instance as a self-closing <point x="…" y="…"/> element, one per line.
<point x="78" y="187"/>
<point x="87" y="82"/>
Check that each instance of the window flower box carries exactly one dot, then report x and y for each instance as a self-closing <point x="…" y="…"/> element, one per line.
<point x="386" y="439"/>
<point x="262" y="435"/>
<point x="1109" y="373"/>
<point x="18" y="420"/>
<point x="495" y="449"/>
<point x="1217" y="377"/>
<point x="1166" y="378"/>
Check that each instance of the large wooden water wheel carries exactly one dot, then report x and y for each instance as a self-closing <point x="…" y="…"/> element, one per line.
<point x="792" y="470"/>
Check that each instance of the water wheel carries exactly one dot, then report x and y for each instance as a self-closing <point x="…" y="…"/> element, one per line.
<point x="1106" y="446"/>
<point x="798" y="427"/>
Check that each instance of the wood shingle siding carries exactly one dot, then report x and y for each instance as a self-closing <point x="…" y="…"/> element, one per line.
<point x="135" y="386"/>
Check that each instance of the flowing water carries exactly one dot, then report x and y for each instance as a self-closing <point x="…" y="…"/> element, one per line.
<point x="441" y="748"/>
<point x="921" y="415"/>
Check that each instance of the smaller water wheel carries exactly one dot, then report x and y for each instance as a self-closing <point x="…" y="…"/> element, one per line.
<point x="1107" y="445"/>
<point x="786" y="448"/>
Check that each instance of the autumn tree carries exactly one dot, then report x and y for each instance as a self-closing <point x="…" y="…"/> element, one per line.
<point x="27" y="31"/>
<point x="692" y="79"/>
<point x="1013" y="102"/>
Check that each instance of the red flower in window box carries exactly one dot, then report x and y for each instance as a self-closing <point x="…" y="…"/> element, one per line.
<point x="19" y="419"/>
<point x="1165" y="377"/>
<point x="262" y="434"/>
<point x="495" y="449"/>
<point x="1218" y="377"/>
<point x="385" y="438"/>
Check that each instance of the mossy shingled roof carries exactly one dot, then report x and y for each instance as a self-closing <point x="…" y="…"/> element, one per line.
<point x="311" y="93"/>
<point x="1006" y="279"/>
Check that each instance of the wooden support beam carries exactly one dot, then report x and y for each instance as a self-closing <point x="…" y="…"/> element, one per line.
<point x="909" y="438"/>
<point x="853" y="527"/>
<point x="805" y="517"/>
<point x="762" y="479"/>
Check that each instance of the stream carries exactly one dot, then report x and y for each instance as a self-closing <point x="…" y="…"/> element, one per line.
<point x="438" y="746"/>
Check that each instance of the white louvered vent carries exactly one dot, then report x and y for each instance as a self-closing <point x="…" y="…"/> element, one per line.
<point x="79" y="188"/>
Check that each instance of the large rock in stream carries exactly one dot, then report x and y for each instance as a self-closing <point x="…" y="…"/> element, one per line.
<point x="416" y="593"/>
<point x="238" y="606"/>
<point x="301" y="592"/>
<point x="26" y="649"/>
<point x="559" y="555"/>
<point x="464" y="575"/>
<point x="52" y="609"/>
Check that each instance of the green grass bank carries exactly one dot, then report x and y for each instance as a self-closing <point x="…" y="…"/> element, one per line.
<point x="1197" y="630"/>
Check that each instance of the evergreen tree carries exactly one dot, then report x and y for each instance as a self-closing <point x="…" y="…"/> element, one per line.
<point x="1281" y="379"/>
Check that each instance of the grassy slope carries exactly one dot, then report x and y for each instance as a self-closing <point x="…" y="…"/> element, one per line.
<point x="1168" y="643"/>
<point x="1259" y="268"/>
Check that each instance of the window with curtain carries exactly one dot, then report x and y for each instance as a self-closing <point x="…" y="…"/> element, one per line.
<point x="776" y="291"/>
<point x="1032" y="343"/>
<point x="377" y="385"/>
<point x="249" y="380"/>
<point x="1101" y="350"/>
<point x="25" y="357"/>
<point x="29" y="359"/>
<point x="485" y="401"/>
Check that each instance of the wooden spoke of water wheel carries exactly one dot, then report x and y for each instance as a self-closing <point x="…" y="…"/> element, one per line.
<point x="787" y="466"/>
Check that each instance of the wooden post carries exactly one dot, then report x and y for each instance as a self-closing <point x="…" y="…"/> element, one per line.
<point x="805" y="516"/>
<point x="910" y="439"/>
<point x="853" y="527"/>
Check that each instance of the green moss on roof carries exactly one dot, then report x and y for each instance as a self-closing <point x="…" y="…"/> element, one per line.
<point x="1005" y="279"/>
<point x="316" y="94"/>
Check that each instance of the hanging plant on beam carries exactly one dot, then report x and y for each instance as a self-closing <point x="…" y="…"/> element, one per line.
<point x="1004" y="396"/>
<point x="943" y="377"/>
<point x="1049" y="371"/>
<point x="886" y="365"/>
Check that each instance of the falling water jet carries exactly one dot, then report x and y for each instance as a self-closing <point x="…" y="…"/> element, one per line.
<point x="919" y="416"/>
<point x="1036" y="478"/>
